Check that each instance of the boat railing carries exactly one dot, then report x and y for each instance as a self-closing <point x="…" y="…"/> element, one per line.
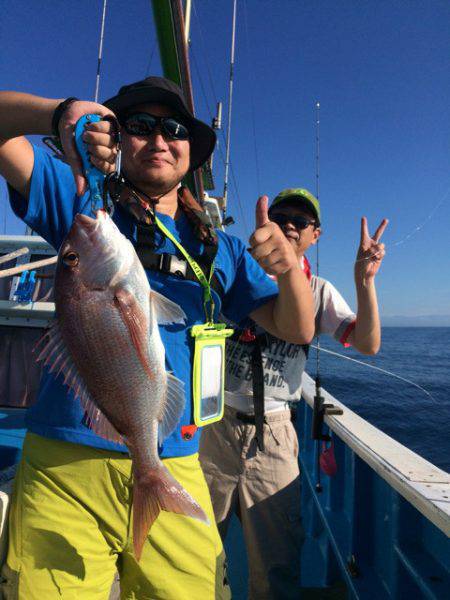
<point x="24" y="314"/>
<point x="38" y="309"/>
<point x="382" y="523"/>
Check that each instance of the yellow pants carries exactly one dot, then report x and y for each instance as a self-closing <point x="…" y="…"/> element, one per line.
<point x="70" y="531"/>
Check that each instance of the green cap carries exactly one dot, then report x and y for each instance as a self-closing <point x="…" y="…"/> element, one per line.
<point x="300" y="195"/>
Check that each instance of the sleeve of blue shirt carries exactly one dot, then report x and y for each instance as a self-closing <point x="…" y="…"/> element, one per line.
<point x="53" y="202"/>
<point x="251" y="287"/>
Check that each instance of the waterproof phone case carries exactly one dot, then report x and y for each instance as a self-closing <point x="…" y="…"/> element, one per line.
<point x="208" y="372"/>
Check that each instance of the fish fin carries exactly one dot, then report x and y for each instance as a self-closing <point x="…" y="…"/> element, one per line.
<point x="97" y="421"/>
<point x="154" y="492"/>
<point x="137" y="324"/>
<point x="55" y="355"/>
<point x="173" y="407"/>
<point x="166" y="311"/>
<point x="50" y="344"/>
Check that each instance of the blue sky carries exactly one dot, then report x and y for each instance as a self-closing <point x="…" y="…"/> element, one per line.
<point x="380" y="70"/>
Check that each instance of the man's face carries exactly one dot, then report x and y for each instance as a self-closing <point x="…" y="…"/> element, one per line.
<point x="301" y="239"/>
<point x="154" y="162"/>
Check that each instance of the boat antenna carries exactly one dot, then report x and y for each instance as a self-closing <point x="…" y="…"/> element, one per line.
<point x="230" y="104"/>
<point x="100" y="52"/>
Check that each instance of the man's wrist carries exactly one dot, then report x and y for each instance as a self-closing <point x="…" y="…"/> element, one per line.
<point x="293" y="271"/>
<point x="364" y="283"/>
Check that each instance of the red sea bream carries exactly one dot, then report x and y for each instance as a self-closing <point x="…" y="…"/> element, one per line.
<point x="106" y="344"/>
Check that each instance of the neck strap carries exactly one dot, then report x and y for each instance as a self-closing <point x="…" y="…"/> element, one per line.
<point x="208" y="302"/>
<point x="142" y="207"/>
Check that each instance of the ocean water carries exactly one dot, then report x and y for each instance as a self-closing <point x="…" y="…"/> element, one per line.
<point x="401" y="410"/>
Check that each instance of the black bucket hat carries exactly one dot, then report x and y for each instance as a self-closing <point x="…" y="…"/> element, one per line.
<point x="164" y="91"/>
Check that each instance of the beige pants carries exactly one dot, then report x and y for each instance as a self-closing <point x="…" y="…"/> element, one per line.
<point x="263" y="490"/>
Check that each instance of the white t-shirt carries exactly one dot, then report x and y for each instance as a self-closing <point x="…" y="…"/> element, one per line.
<point x="283" y="362"/>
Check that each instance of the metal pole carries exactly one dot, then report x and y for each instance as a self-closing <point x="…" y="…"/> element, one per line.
<point x="100" y="52"/>
<point x="230" y="103"/>
<point x="187" y="20"/>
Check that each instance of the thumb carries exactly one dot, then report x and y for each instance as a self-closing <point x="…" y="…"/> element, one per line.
<point x="80" y="180"/>
<point x="262" y="211"/>
<point x="81" y="184"/>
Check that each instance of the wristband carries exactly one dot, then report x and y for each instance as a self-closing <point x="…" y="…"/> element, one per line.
<point x="58" y="113"/>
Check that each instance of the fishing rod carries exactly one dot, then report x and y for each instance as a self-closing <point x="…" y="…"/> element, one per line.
<point x="100" y="52"/>
<point x="320" y="407"/>
<point x="230" y="104"/>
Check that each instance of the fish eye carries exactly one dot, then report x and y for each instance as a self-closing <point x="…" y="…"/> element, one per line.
<point x="71" y="259"/>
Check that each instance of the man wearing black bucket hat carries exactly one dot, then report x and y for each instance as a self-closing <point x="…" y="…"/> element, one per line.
<point x="72" y="501"/>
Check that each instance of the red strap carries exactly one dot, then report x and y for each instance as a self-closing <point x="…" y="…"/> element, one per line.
<point x="188" y="432"/>
<point x="247" y="336"/>
<point x="346" y="334"/>
<point x="307" y="268"/>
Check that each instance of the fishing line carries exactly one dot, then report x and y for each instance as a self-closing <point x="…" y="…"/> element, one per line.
<point x="251" y="71"/>
<point x="204" y="54"/>
<point x="200" y="78"/>
<point x="416" y="229"/>
<point x="419" y="227"/>
<point x="247" y="230"/>
<point x="360" y="362"/>
<point x="219" y="147"/>
<point x="152" y="54"/>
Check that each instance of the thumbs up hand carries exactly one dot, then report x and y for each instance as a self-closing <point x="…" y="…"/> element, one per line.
<point x="269" y="246"/>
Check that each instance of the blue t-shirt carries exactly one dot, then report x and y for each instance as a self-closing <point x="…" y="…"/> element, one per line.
<point x="50" y="211"/>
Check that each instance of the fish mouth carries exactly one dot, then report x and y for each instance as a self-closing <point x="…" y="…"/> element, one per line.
<point x="88" y="223"/>
<point x="89" y="228"/>
<point x="90" y="232"/>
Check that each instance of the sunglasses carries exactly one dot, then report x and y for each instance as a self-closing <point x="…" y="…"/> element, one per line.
<point x="144" y="124"/>
<point x="297" y="221"/>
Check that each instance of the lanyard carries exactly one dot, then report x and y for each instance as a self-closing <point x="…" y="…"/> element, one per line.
<point x="205" y="283"/>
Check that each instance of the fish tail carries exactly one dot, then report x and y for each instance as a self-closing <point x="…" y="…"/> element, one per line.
<point x="154" y="492"/>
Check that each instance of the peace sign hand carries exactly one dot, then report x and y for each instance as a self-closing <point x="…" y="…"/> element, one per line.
<point x="370" y="252"/>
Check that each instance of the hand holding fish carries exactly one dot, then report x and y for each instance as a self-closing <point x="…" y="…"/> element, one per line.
<point x="370" y="252"/>
<point x="99" y="137"/>
<point x="269" y="246"/>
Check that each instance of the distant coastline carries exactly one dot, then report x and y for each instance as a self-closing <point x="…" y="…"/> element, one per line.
<point x="417" y="321"/>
